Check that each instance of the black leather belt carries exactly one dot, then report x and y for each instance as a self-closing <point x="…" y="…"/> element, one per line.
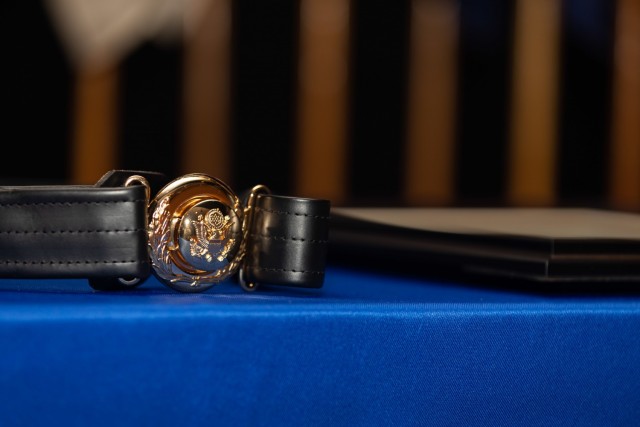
<point x="193" y="234"/>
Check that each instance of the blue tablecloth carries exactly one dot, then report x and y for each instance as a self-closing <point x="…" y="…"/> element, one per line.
<point x="367" y="349"/>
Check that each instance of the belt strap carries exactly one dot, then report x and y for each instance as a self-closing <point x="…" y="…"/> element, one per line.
<point x="73" y="231"/>
<point x="288" y="241"/>
<point x="100" y="233"/>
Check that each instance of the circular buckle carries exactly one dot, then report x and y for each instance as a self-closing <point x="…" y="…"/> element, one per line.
<point x="197" y="232"/>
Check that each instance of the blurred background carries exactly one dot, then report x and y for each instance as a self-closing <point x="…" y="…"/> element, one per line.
<point x="367" y="103"/>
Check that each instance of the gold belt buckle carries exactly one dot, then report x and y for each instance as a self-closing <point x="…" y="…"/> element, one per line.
<point x="197" y="231"/>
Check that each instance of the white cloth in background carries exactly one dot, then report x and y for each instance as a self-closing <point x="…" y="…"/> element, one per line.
<point x="99" y="33"/>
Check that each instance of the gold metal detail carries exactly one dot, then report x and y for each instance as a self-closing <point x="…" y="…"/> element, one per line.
<point x="198" y="229"/>
<point x="248" y="220"/>
<point x="139" y="179"/>
<point x="195" y="232"/>
<point x="211" y="228"/>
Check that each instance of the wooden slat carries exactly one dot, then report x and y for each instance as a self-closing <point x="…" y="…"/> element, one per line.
<point x="625" y="144"/>
<point x="532" y="161"/>
<point x="322" y="121"/>
<point x="206" y="93"/>
<point x="94" y="145"/>
<point x="430" y="149"/>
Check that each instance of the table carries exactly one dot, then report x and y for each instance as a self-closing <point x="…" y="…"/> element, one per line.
<point x="369" y="348"/>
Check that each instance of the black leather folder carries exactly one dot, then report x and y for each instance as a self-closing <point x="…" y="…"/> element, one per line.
<point x="533" y="244"/>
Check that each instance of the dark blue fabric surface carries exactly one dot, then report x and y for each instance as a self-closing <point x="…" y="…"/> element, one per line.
<point x="367" y="349"/>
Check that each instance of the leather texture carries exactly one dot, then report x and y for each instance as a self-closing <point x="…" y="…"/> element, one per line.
<point x="118" y="178"/>
<point x="288" y="241"/>
<point x="73" y="232"/>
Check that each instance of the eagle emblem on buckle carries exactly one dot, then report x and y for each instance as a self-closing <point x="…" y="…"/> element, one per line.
<point x="211" y="229"/>
<point x="198" y="230"/>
